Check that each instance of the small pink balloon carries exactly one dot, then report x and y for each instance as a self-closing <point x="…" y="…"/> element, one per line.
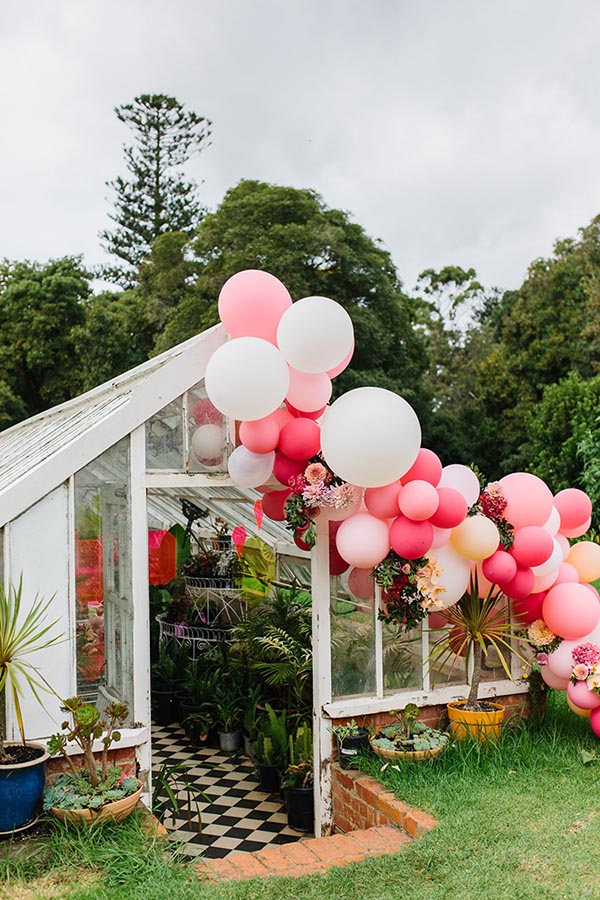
<point x="571" y="611"/>
<point x="410" y="539"/>
<point x="300" y="439"/>
<point x="282" y="416"/>
<point x="441" y="536"/>
<point x="452" y="508"/>
<point x="574" y="507"/>
<point x="308" y="391"/>
<point x="418" y="500"/>
<point x="284" y="467"/>
<point x="260" y="435"/>
<point x="363" y="540"/>
<point x="543" y="582"/>
<point x="557" y="684"/>
<point x="528" y="499"/>
<point x="251" y="303"/>
<point x="361" y="583"/>
<point x="578" y="530"/>
<point x="426" y="467"/>
<point x="560" y="661"/>
<point x="499" y="567"/>
<point x="581" y="696"/>
<point x="595" y="721"/>
<point x="273" y="505"/>
<point x="383" y="501"/>
<point x="521" y="585"/>
<point x="337" y="370"/>
<point x="532" y="545"/>
<point x="528" y="609"/>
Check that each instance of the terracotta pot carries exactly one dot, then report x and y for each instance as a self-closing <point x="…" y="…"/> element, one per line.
<point x="483" y="726"/>
<point x="115" y="811"/>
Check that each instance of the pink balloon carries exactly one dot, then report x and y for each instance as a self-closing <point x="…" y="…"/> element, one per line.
<point x="205" y="413"/>
<point x="305" y="414"/>
<point x="251" y="303"/>
<point x="528" y="499"/>
<point x="581" y="696"/>
<point x="564" y="545"/>
<point x="577" y="531"/>
<point x="260" y="435"/>
<point x="560" y="661"/>
<point x="363" y="540"/>
<point x="543" y="582"/>
<point x="499" y="567"/>
<point x="410" y="539"/>
<point x="418" y="500"/>
<point x="282" y="416"/>
<point x="273" y="505"/>
<point x="361" y="583"/>
<point x="344" y="363"/>
<point x="574" y="507"/>
<point x="552" y="680"/>
<point x="532" y="546"/>
<point x="300" y="439"/>
<point x="308" y="391"/>
<point x="441" y="536"/>
<point x="521" y="585"/>
<point x="383" y="501"/>
<point x="528" y="609"/>
<point x="452" y="509"/>
<point x="426" y="467"/>
<point x="566" y="572"/>
<point x="284" y="467"/>
<point x="571" y="611"/>
<point x="595" y="721"/>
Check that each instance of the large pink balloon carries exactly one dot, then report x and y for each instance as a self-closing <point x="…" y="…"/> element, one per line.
<point x="410" y="539"/>
<point x="427" y="467"/>
<point x="581" y="696"/>
<point x="552" y="680"/>
<point x="521" y="585"/>
<point x="574" y="507"/>
<point x="451" y="510"/>
<point x="595" y="721"/>
<point x="308" y="391"/>
<point x="532" y="546"/>
<point x="566" y="572"/>
<point x="560" y="661"/>
<point x="528" y="499"/>
<point x="529" y="608"/>
<point x="363" y="540"/>
<point x="418" y="500"/>
<point x="251" y="303"/>
<point x="383" y="501"/>
<point x="300" y="439"/>
<point x="571" y="611"/>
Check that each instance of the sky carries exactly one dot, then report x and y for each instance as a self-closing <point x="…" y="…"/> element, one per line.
<point x="463" y="132"/>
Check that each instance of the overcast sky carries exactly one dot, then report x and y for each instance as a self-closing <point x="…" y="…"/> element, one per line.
<point x="456" y="131"/>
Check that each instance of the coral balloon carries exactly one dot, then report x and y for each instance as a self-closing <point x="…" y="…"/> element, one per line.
<point x="571" y="611"/>
<point x="566" y="572"/>
<point x="363" y="540"/>
<point x="463" y="480"/>
<point x="308" y="391"/>
<point x="246" y="378"/>
<point x="552" y="680"/>
<point x="273" y="505"/>
<point x="532" y="546"/>
<point x="315" y="334"/>
<point x="574" y="507"/>
<point x="584" y="713"/>
<point x="585" y="556"/>
<point x="528" y="609"/>
<point x="300" y="439"/>
<point x="251" y="303"/>
<point x="475" y="538"/>
<point x="285" y="468"/>
<point x="249" y="469"/>
<point x="528" y="499"/>
<point x="418" y="500"/>
<point x="577" y="532"/>
<point x="306" y="414"/>
<point x="410" y="539"/>
<point x="499" y="567"/>
<point x="383" y="501"/>
<point x="581" y="696"/>
<point x="370" y="436"/>
<point x="361" y="583"/>
<point x="426" y="467"/>
<point x="260" y="435"/>
<point x="451" y="510"/>
<point x="521" y="585"/>
<point x="455" y="572"/>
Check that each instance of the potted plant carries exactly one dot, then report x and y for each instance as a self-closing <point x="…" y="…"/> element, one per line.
<point x="92" y="793"/>
<point x="250" y="720"/>
<point x="350" y="738"/>
<point x="271" y="748"/>
<point x="297" y="782"/>
<point x="228" y="712"/>
<point x="408" y="738"/>
<point x="166" y="676"/>
<point x="22" y="764"/>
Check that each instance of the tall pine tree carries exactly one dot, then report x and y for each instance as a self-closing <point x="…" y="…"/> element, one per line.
<point x="155" y="198"/>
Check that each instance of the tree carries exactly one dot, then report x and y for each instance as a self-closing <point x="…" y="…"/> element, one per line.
<point x="155" y="198"/>
<point x="314" y="250"/>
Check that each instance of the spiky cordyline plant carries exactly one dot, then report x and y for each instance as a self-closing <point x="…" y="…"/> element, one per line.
<point x="18" y="639"/>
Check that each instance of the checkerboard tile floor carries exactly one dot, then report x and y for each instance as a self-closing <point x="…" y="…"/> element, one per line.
<point x="239" y="815"/>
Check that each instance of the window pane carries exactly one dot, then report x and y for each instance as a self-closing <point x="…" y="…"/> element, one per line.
<point x="207" y="433"/>
<point x="402" y="658"/>
<point x="352" y="644"/>
<point x="164" y="438"/>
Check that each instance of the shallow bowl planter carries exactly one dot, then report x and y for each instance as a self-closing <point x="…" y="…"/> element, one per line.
<point x="483" y="726"/>
<point x="21" y="789"/>
<point x="407" y="755"/>
<point x="115" y="811"/>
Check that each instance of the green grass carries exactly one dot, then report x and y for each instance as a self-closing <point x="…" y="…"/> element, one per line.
<point x="520" y="821"/>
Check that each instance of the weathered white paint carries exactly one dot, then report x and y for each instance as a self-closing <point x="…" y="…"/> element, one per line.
<point x="39" y="548"/>
<point x="321" y="643"/>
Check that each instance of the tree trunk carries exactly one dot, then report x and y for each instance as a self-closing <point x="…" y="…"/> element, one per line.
<point x="472" y="703"/>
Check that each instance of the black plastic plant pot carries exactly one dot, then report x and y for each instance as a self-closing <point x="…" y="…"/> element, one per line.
<point x="164" y="707"/>
<point x="299" y="804"/>
<point x="270" y="778"/>
<point x="348" y="751"/>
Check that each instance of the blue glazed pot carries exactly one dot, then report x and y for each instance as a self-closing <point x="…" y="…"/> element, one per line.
<point x="21" y="790"/>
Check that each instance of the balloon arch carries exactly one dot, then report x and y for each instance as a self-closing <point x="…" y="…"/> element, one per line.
<point x="359" y="464"/>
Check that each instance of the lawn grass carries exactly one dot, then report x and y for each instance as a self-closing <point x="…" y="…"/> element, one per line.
<point x="520" y="821"/>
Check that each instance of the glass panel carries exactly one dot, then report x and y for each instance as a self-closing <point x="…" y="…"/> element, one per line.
<point x="103" y="578"/>
<point x="207" y="433"/>
<point x="352" y="644"/>
<point x="449" y="671"/>
<point x="402" y="658"/>
<point x="164" y="438"/>
<point x="491" y="669"/>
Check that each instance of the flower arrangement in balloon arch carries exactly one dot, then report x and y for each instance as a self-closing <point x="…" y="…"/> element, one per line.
<point x="314" y="490"/>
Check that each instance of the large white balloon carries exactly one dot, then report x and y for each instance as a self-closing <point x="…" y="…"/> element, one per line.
<point x="370" y="436"/>
<point x="247" y="378"/>
<point x="207" y="444"/>
<point x="249" y="469"/>
<point x="315" y="334"/>
<point x="463" y="480"/>
<point x="455" y="572"/>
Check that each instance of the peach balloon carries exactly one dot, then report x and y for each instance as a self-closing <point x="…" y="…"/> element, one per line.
<point x="475" y="538"/>
<point x="552" y="680"/>
<point x="584" y="713"/>
<point x="585" y="556"/>
<point x="418" y="500"/>
<point x="383" y="501"/>
<point x="528" y="499"/>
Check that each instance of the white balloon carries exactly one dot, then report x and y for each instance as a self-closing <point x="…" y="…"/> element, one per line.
<point x="455" y="572"/>
<point x="315" y="334"/>
<point x="552" y="523"/>
<point x="207" y="443"/>
<point x="249" y="469"/>
<point x="370" y="436"/>
<point x="552" y="563"/>
<point x="247" y="378"/>
<point x="463" y="480"/>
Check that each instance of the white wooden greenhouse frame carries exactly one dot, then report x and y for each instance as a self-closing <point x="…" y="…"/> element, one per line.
<point x="39" y="459"/>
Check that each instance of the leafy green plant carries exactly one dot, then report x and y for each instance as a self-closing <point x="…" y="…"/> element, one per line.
<point x="20" y="637"/>
<point x="74" y="790"/>
<point x="272" y="738"/>
<point x="299" y="772"/>
<point x="169" y="782"/>
<point x="166" y="672"/>
<point x="228" y="705"/>
<point x="345" y="730"/>
<point x="250" y="720"/>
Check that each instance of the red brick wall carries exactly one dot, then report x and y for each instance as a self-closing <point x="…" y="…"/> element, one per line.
<point x="124" y="757"/>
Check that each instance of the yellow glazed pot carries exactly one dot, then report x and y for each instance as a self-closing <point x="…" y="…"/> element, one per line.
<point x="483" y="726"/>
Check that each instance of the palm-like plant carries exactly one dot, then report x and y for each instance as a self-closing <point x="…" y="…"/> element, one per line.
<point x="286" y="664"/>
<point x="20" y="637"/>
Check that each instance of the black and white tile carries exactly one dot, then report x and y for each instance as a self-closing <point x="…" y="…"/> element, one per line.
<point x="236" y="815"/>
